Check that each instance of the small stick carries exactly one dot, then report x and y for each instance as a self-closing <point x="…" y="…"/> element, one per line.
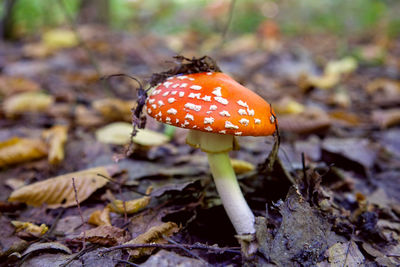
<point x="235" y="250"/>
<point x="185" y="249"/>
<point x="80" y="213"/>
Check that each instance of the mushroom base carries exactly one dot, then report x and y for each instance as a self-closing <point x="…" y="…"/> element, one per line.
<point x="211" y="142"/>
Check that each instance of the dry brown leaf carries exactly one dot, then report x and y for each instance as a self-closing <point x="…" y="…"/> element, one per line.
<point x="100" y="217"/>
<point x="241" y="166"/>
<point x="27" y="102"/>
<point x="15" y="85"/>
<point x="105" y="235"/>
<point x="57" y="39"/>
<point x="59" y="192"/>
<point x="345" y="254"/>
<point x="114" y="109"/>
<point x="310" y="121"/>
<point x="153" y="235"/>
<point x="345" y="117"/>
<point x="56" y="137"/>
<point x="30" y="228"/>
<point x="17" y="150"/>
<point x="87" y="117"/>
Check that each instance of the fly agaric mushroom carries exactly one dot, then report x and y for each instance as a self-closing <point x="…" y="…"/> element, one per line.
<point x="215" y="109"/>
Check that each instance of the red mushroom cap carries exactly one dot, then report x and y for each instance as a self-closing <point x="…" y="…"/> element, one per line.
<point x="211" y="102"/>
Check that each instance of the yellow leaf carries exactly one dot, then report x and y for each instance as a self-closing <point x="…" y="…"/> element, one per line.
<point x="131" y="206"/>
<point x="17" y="150"/>
<point x="27" y="102"/>
<point x="241" y="166"/>
<point x="30" y="228"/>
<point x="341" y="66"/>
<point x="153" y="235"/>
<point x="59" y="39"/>
<point x="100" y="217"/>
<point x="288" y="105"/>
<point x="56" y="138"/>
<point x="59" y="192"/>
<point x="119" y="133"/>
<point x="114" y="109"/>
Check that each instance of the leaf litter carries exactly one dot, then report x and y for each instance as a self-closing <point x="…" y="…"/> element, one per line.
<point x="338" y="206"/>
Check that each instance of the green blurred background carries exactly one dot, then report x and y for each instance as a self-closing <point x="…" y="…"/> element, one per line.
<point x="294" y="17"/>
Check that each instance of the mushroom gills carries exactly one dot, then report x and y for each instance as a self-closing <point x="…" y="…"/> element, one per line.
<point x="211" y="142"/>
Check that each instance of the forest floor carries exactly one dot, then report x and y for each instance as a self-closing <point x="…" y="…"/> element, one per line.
<point x="333" y="198"/>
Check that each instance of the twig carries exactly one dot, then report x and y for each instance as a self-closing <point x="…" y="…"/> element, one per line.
<point x="80" y="213"/>
<point x="77" y="255"/>
<point x="235" y="250"/>
<point x="185" y="249"/>
<point x="229" y="21"/>
<point x="127" y="262"/>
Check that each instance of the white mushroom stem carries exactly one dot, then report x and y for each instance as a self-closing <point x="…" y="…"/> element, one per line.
<point x="232" y="198"/>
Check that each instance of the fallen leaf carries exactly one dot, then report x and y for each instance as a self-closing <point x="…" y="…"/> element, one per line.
<point x="119" y="133"/>
<point x="105" y="235"/>
<point x="27" y="102"/>
<point x="9" y="242"/>
<point x="100" y="217"/>
<point x="131" y="206"/>
<point x="87" y="117"/>
<point x="345" y="254"/>
<point x="30" y="228"/>
<point x="386" y="118"/>
<point x="59" y="192"/>
<point x="241" y="166"/>
<point x="169" y="258"/>
<point x="17" y="150"/>
<point x="341" y="66"/>
<point x="114" y="109"/>
<point x="310" y="121"/>
<point x="155" y="236"/>
<point x="288" y="105"/>
<point x="60" y="38"/>
<point x="14" y="85"/>
<point x="35" y="247"/>
<point x="56" y="137"/>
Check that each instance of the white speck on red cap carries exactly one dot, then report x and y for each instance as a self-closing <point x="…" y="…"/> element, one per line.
<point x="183" y="85"/>
<point x="172" y="111"/>
<point x="149" y="110"/>
<point x="242" y="112"/>
<point x="195" y="87"/>
<point x="257" y="121"/>
<point x="238" y="133"/>
<point x="181" y="94"/>
<point x="213" y="107"/>
<point x="160" y="103"/>
<point x="251" y="112"/>
<point x="208" y="120"/>
<point x="174" y="92"/>
<point x="206" y="98"/>
<point x="230" y="125"/>
<point x="151" y="100"/>
<point x="217" y="91"/>
<point x="189" y="117"/>
<point x="244" y="121"/>
<point x="166" y="93"/>
<point x="221" y="100"/>
<point x="175" y="85"/>
<point x="225" y="113"/>
<point x="208" y="128"/>
<point x="222" y="131"/>
<point x="154" y="106"/>
<point x="167" y="84"/>
<point x="193" y="106"/>
<point x="243" y="104"/>
<point x="182" y="77"/>
<point x="171" y="100"/>
<point x="193" y="95"/>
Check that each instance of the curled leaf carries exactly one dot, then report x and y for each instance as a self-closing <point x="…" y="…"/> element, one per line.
<point x="288" y="105"/>
<point x="119" y="133"/>
<point x="30" y="228"/>
<point x="131" y="206"/>
<point x="241" y="166"/>
<point x="56" y="138"/>
<point x="100" y="217"/>
<point x="17" y="150"/>
<point x="59" y="192"/>
<point x="154" y="235"/>
<point x="27" y="102"/>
